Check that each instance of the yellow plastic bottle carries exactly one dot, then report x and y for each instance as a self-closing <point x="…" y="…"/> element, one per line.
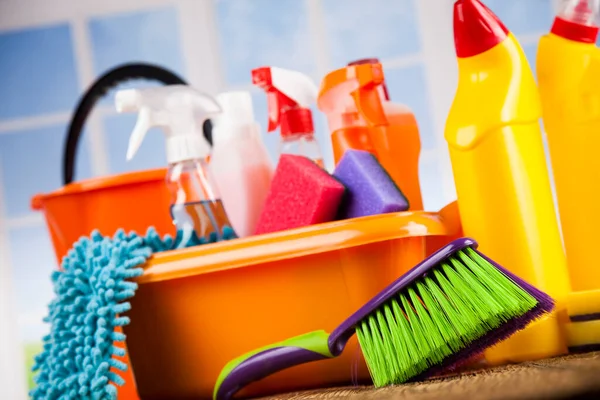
<point x="568" y="74"/>
<point x="502" y="183"/>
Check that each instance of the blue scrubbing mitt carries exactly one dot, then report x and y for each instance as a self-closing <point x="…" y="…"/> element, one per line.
<point x="91" y="293"/>
<point x="91" y="296"/>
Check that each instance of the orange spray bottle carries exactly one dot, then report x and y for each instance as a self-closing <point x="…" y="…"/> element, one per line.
<point x="385" y="94"/>
<point x="566" y="58"/>
<point x="289" y="96"/>
<point x="361" y="118"/>
<point x="499" y="166"/>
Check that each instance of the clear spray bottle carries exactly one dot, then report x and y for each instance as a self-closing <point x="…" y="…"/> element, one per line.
<point x="196" y="206"/>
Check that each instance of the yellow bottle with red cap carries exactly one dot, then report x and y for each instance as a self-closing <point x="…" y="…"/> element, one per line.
<point x="569" y="82"/>
<point x="361" y="118"/>
<point x="289" y="96"/>
<point x="502" y="183"/>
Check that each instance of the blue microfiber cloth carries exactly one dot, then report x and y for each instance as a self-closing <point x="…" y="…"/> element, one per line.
<point x="369" y="188"/>
<point x="91" y="295"/>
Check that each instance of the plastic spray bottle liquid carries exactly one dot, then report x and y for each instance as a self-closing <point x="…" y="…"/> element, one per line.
<point x="360" y="118"/>
<point x="566" y="58"/>
<point x="500" y="171"/>
<point x="180" y="111"/>
<point x="289" y="96"/>
<point x="240" y="162"/>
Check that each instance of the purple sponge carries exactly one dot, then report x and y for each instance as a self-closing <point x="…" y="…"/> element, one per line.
<point x="369" y="188"/>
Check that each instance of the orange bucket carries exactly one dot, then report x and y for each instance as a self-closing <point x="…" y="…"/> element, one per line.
<point x="200" y="307"/>
<point x="132" y="201"/>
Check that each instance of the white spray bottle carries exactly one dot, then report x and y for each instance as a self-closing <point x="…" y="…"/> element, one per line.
<point x="240" y="161"/>
<point x="180" y="111"/>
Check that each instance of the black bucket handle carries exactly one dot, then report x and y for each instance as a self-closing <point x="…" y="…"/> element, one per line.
<point x="101" y="86"/>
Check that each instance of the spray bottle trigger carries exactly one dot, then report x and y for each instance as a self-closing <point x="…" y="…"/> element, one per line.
<point x="273" y="107"/>
<point x="369" y="105"/>
<point x="142" y="125"/>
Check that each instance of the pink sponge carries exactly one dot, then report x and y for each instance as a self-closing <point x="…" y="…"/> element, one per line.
<point x="301" y="194"/>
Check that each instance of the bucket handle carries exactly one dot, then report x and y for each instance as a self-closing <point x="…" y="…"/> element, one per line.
<point x="110" y="79"/>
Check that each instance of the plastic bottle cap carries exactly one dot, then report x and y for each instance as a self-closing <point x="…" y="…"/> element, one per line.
<point x="384" y="90"/>
<point x="583" y="12"/>
<point x="192" y="146"/>
<point x="237" y="108"/>
<point x="476" y="28"/>
<point x="364" y="61"/>
<point x="237" y="118"/>
<point x="352" y="92"/>
<point x="297" y="121"/>
<point x="577" y="20"/>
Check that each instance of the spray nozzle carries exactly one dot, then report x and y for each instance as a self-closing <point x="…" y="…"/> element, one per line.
<point x="289" y="95"/>
<point x="577" y="20"/>
<point x="354" y="89"/>
<point x="583" y="12"/>
<point x="178" y="109"/>
<point x="383" y="87"/>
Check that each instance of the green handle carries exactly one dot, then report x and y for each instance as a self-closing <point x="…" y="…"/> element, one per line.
<point x="260" y="363"/>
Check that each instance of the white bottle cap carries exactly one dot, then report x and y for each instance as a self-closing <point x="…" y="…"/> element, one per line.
<point x="236" y="118"/>
<point x="236" y="106"/>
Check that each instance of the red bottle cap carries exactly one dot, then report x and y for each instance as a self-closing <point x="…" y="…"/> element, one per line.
<point x="574" y="31"/>
<point x="296" y="121"/>
<point x="577" y="20"/>
<point x="476" y="28"/>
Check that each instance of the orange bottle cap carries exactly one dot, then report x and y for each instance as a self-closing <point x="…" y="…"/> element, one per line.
<point x="360" y="84"/>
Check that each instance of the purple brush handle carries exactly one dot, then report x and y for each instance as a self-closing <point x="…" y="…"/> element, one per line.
<point x="319" y="345"/>
<point x="254" y="366"/>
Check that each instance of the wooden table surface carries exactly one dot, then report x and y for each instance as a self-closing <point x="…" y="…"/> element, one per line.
<point x="571" y="377"/>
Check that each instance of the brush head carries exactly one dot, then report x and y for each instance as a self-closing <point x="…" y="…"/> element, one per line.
<point x="370" y="190"/>
<point x="453" y="305"/>
<point x="301" y="194"/>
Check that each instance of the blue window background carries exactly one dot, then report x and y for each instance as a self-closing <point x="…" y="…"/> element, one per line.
<point x="39" y="76"/>
<point x="255" y="33"/>
<point x="150" y="36"/>
<point x="37" y="72"/>
<point x="386" y="29"/>
<point x="523" y="16"/>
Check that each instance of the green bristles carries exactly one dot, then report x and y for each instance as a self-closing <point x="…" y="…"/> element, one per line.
<point x="456" y="303"/>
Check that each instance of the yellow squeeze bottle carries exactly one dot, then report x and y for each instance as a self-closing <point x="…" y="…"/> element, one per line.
<point x="568" y="73"/>
<point x="502" y="183"/>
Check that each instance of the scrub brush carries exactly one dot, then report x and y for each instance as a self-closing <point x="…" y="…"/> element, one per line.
<point x="78" y="358"/>
<point x="451" y="306"/>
